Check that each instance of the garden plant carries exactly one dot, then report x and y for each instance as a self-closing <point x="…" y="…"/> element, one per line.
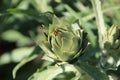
<point x="60" y="40"/>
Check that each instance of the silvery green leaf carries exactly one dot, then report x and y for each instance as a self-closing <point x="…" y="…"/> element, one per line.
<point x="53" y="71"/>
<point x="33" y="54"/>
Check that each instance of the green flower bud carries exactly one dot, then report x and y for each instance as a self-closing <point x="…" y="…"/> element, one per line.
<point x="110" y="57"/>
<point x="63" y="41"/>
<point x="112" y="38"/>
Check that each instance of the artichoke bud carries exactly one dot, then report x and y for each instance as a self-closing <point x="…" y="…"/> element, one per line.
<point x="112" y="38"/>
<point x="66" y="41"/>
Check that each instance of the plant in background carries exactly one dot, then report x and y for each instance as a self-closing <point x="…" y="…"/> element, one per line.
<point x="63" y="41"/>
<point x="112" y="39"/>
<point x="108" y="40"/>
<point x="111" y="48"/>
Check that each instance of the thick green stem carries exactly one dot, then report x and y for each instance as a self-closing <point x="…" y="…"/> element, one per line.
<point x="100" y="21"/>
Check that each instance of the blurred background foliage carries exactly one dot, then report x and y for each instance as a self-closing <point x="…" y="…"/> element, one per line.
<point x="19" y="24"/>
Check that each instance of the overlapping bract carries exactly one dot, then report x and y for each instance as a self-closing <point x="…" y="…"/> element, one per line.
<point x="63" y="41"/>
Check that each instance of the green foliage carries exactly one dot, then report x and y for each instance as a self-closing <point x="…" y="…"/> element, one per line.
<point x="52" y="72"/>
<point x="94" y="72"/>
<point x="22" y="22"/>
<point x="30" y="57"/>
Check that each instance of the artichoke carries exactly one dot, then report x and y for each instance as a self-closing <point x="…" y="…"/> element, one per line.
<point x="112" y="38"/>
<point x="62" y="41"/>
<point x="110" y="56"/>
